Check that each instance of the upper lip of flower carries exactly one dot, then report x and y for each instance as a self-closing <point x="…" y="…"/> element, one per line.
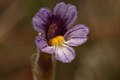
<point x="55" y="36"/>
<point x="61" y="19"/>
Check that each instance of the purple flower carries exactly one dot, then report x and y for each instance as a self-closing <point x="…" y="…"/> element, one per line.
<point x="55" y="36"/>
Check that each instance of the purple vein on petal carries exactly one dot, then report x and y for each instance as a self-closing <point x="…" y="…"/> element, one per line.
<point x="58" y="56"/>
<point x="39" y="40"/>
<point x="44" y="47"/>
<point x="79" y="37"/>
<point x="39" y="26"/>
<point x="58" y="7"/>
<point x="43" y="19"/>
<point x="70" y="19"/>
<point x="66" y="56"/>
<point x="66" y="11"/>
<point x="71" y="51"/>
<point x="48" y="13"/>
<point x="72" y="43"/>
<point x="76" y="41"/>
<point x="74" y="30"/>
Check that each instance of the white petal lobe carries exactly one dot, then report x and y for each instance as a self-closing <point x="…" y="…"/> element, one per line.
<point x="65" y="54"/>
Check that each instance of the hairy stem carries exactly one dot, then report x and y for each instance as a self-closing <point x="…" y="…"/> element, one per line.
<point x="43" y="65"/>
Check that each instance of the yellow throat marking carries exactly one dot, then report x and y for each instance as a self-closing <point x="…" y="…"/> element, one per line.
<point x="57" y="41"/>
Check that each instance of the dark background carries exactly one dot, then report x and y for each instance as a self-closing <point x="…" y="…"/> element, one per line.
<point x="97" y="59"/>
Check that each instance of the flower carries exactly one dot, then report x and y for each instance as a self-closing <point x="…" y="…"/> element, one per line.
<point x="55" y="36"/>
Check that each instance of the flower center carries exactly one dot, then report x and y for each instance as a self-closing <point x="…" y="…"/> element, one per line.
<point x="57" y="41"/>
<point x="51" y="31"/>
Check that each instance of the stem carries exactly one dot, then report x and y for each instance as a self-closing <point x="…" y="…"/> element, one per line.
<point x="43" y="65"/>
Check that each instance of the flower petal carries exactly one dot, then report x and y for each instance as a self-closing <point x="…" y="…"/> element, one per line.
<point x="43" y="45"/>
<point x="77" y="35"/>
<point x="42" y="20"/>
<point x="65" y="54"/>
<point x="76" y="41"/>
<point x="66" y="14"/>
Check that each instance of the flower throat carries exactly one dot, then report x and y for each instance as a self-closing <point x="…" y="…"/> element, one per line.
<point x="57" y="41"/>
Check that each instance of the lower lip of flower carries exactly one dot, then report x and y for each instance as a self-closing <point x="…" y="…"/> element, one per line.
<point x="57" y="41"/>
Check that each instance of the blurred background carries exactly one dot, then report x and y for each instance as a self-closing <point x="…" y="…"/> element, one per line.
<point x="97" y="59"/>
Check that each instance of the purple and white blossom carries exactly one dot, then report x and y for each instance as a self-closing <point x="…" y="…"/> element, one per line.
<point x="55" y="36"/>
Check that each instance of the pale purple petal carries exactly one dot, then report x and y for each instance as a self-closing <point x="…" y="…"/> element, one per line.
<point x="65" y="54"/>
<point x="67" y="13"/>
<point x="43" y="45"/>
<point x="76" y="41"/>
<point x="77" y="35"/>
<point x="42" y="20"/>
